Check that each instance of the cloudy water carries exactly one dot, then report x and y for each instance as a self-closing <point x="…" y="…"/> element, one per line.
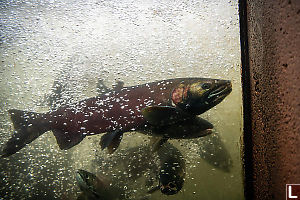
<point x="54" y="53"/>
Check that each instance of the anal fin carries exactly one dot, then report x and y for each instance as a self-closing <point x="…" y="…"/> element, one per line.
<point x="66" y="140"/>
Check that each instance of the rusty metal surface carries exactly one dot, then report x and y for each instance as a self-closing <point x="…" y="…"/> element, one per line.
<point x="274" y="72"/>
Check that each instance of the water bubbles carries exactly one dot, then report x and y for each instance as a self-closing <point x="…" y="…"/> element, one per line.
<point x="77" y="42"/>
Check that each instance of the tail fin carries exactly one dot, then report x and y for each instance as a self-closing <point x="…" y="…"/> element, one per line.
<point x="28" y="126"/>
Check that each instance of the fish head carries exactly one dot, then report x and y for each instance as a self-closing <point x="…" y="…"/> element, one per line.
<point x="86" y="181"/>
<point x="169" y="189"/>
<point x="97" y="187"/>
<point x="170" y="182"/>
<point x="199" y="95"/>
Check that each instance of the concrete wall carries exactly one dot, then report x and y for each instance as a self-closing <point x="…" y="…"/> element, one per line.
<point x="271" y="84"/>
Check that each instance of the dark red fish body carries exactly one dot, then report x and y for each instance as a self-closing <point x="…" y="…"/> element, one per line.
<point x="114" y="110"/>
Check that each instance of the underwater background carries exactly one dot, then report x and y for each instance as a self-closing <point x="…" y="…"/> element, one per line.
<point x="76" y="44"/>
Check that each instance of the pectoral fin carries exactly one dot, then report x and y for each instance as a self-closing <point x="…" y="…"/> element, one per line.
<point x="157" y="142"/>
<point x="163" y="115"/>
<point x="111" y="140"/>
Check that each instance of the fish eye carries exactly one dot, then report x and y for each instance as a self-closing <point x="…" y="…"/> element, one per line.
<point x="205" y="86"/>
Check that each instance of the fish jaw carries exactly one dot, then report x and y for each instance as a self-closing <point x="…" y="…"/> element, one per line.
<point x="169" y="189"/>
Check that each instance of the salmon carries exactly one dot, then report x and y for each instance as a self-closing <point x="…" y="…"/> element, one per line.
<point x="122" y="110"/>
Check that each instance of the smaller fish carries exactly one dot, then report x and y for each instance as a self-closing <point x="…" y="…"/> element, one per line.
<point x="164" y="169"/>
<point x="213" y="150"/>
<point x="195" y="127"/>
<point x="95" y="188"/>
<point x="99" y="188"/>
<point x="172" y="171"/>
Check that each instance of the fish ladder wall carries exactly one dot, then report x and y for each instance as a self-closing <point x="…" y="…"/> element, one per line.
<point x="270" y="44"/>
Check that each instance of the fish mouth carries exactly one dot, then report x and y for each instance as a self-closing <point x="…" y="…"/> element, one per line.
<point x="168" y="190"/>
<point x="220" y="92"/>
<point x="80" y="177"/>
<point x="83" y="178"/>
<point x="207" y="132"/>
